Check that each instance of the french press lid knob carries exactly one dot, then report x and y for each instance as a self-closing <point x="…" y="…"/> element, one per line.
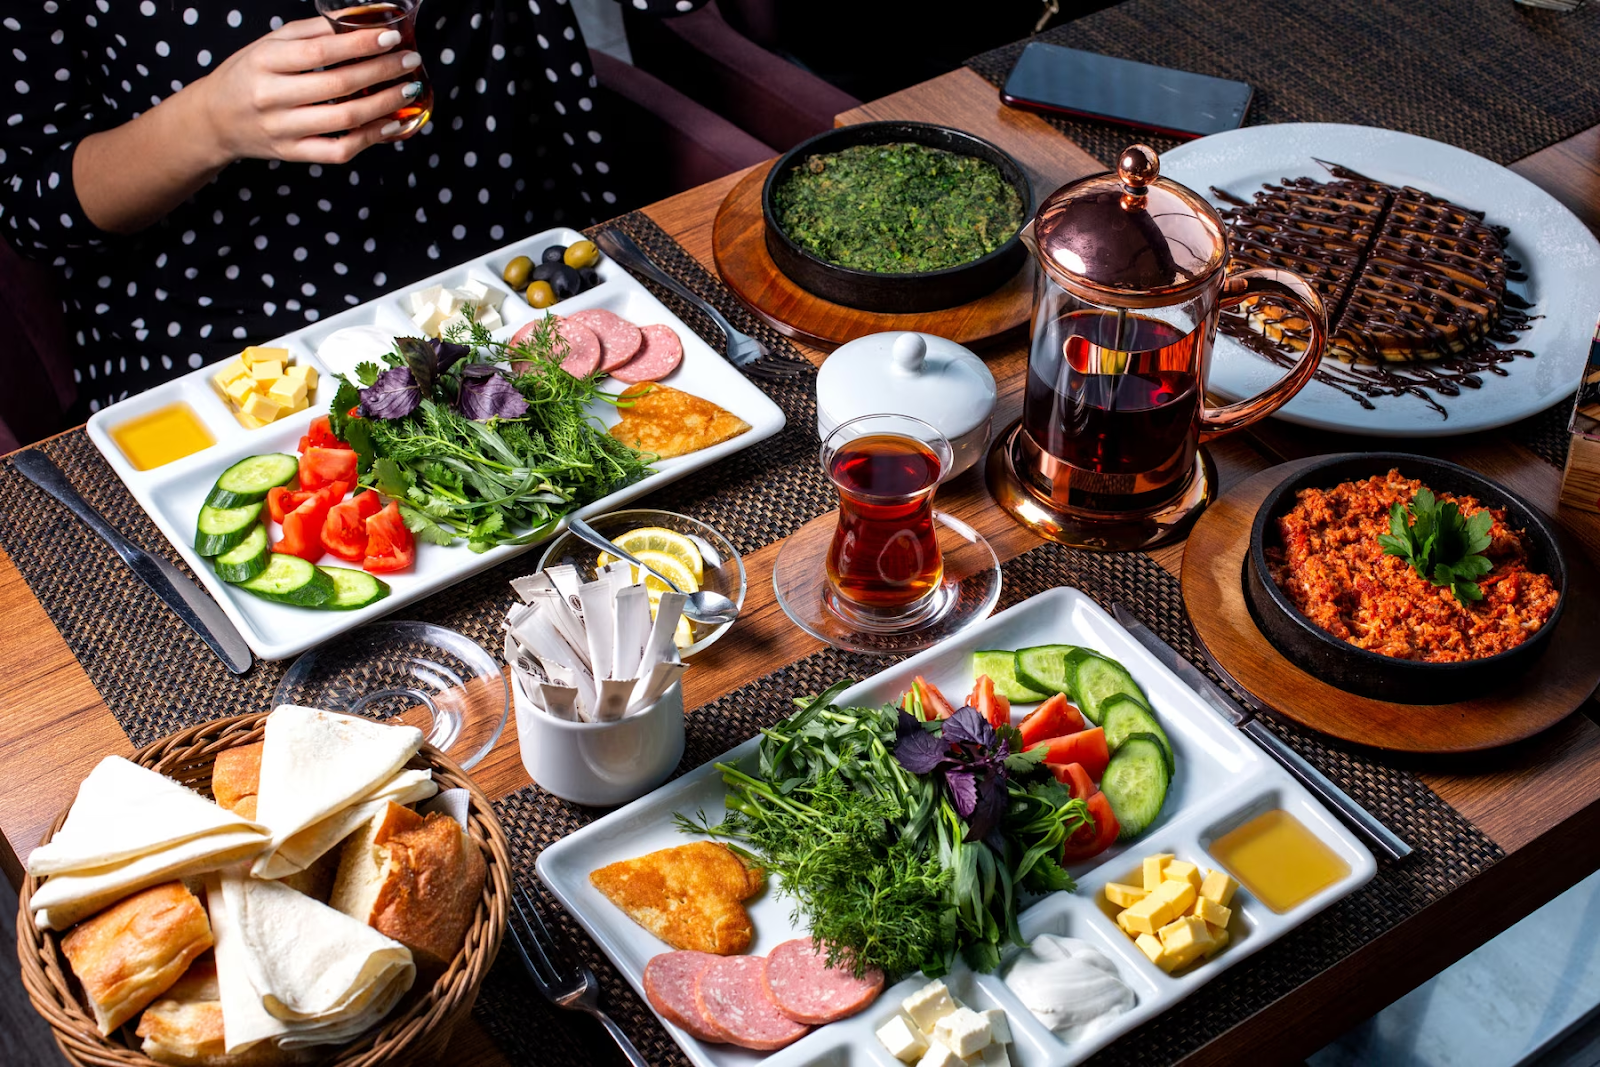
<point x="1139" y="167"/>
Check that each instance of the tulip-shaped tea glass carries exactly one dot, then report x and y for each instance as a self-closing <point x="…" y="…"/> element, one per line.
<point x="399" y="15"/>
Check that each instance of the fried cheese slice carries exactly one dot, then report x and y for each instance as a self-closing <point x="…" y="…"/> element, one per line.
<point x="667" y="422"/>
<point x="690" y="896"/>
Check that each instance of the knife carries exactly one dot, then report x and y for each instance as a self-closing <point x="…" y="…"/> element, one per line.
<point x="187" y="600"/>
<point x="1358" y="818"/>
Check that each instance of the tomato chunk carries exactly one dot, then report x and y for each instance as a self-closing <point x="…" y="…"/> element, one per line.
<point x="933" y="703"/>
<point x="302" y="527"/>
<point x="320" y="435"/>
<point x="324" y="466"/>
<point x="1075" y="778"/>
<point x="1053" y="718"/>
<point x="995" y="708"/>
<point x="344" y="532"/>
<point x="282" y="500"/>
<point x="390" y="547"/>
<point x="1087" y="747"/>
<point x="1091" y="840"/>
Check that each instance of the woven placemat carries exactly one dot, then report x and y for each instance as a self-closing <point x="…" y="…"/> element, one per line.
<point x="157" y="677"/>
<point x="1493" y="77"/>
<point x="1448" y="850"/>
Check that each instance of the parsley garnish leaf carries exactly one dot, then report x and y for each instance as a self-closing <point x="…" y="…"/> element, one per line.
<point x="1440" y="545"/>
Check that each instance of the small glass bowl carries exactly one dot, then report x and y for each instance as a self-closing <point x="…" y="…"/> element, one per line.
<point x="724" y="570"/>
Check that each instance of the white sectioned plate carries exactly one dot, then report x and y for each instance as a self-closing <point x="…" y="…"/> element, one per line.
<point x="1222" y="781"/>
<point x="1559" y="254"/>
<point x="172" y="494"/>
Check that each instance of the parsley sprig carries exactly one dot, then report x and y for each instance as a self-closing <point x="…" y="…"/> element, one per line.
<point x="1440" y="544"/>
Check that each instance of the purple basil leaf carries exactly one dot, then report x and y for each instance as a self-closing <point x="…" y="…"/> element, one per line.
<point x="963" y="786"/>
<point x="393" y="396"/>
<point x="420" y="359"/>
<point x="917" y="750"/>
<point x="486" y="396"/>
<point x="448" y="355"/>
<point x="968" y="727"/>
<point x="988" y="807"/>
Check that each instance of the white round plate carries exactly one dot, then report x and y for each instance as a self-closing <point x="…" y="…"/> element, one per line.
<point x="1559" y="254"/>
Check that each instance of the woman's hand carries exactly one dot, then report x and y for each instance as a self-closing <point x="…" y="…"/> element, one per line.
<point x="269" y="101"/>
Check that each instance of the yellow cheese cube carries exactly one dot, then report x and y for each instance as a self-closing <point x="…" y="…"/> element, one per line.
<point x="259" y="354"/>
<point x="1186" y="939"/>
<point x="266" y="370"/>
<point x="286" y="390"/>
<point x="259" y="407"/>
<point x="239" y="389"/>
<point x="1124" y="896"/>
<point x="1219" y="940"/>
<point x="1179" y="897"/>
<point x="1150" y="945"/>
<point x="308" y="374"/>
<point x="249" y="422"/>
<point x="1182" y="871"/>
<point x="1124" y="924"/>
<point x="301" y="404"/>
<point x="1153" y="867"/>
<point x="229" y="370"/>
<point x="1145" y="917"/>
<point x="1218" y="887"/>
<point x="1209" y="911"/>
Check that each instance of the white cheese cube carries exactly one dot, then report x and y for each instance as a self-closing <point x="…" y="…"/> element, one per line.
<point x="423" y="299"/>
<point x="450" y="301"/>
<point x="999" y="1025"/>
<point x="993" y="1055"/>
<point x="482" y="293"/>
<point x="490" y="319"/>
<point x="902" y="1038"/>
<point x="939" y="1056"/>
<point x="445" y="324"/>
<point x="491" y="298"/>
<point x="929" y="1004"/>
<point x="963" y="1031"/>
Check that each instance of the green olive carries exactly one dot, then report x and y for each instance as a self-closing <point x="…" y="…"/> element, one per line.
<point x="581" y="254"/>
<point x="540" y="295"/>
<point x="516" y="272"/>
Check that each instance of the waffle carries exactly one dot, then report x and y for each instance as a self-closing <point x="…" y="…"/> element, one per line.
<point x="1404" y="275"/>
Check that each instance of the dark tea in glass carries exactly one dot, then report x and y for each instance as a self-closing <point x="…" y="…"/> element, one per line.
<point x="884" y="563"/>
<point x="401" y="16"/>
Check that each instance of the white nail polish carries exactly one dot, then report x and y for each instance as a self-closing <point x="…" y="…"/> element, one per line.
<point x="390" y="130"/>
<point x="388" y="38"/>
<point x="411" y="61"/>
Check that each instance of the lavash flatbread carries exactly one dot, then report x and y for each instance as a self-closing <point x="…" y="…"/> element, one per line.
<point x="310" y="844"/>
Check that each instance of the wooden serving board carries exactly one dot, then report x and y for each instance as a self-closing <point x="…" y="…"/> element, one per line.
<point x="739" y="245"/>
<point x="1213" y="592"/>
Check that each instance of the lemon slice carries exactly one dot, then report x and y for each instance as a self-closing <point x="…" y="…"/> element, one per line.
<point x="668" y="567"/>
<point x="670" y="542"/>
<point x="683" y="636"/>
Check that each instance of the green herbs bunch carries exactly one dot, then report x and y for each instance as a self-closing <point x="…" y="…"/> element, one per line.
<point x="1440" y="544"/>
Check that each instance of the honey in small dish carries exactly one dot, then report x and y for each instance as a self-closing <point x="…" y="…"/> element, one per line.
<point x="1279" y="859"/>
<point x="158" y="437"/>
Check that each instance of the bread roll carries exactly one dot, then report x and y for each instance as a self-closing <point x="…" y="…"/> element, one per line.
<point x="236" y="776"/>
<point x="413" y="879"/>
<point x="136" y="949"/>
<point x="184" y="1026"/>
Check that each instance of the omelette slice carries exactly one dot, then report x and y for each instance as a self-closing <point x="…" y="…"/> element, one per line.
<point x="667" y="422"/>
<point x="691" y="896"/>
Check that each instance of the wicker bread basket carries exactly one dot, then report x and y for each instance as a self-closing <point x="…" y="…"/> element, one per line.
<point x="416" y="1032"/>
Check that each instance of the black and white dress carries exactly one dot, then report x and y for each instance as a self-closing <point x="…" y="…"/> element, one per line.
<point x="516" y="144"/>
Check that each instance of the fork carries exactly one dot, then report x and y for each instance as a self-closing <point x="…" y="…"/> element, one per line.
<point x="572" y="986"/>
<point x="745" y="352"/>
<point x="1553" y="5"/>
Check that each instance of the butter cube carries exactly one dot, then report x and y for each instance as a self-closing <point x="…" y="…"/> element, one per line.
<point x="1124" y="896"/>
<point x="999" y="1025"/>
<point x="266" y="370"/>
<point x="1185" y="940"/>
<point x="261" y="353"/>
<point x="1150" y="945"/>
<point x="286" y="390"/>
<point x="240" y="388"/>
<point x="1210" y="912"/>
<point x="249" y="422"/>
<point x="902" y="1038"/>
<point x="259" y="407"/>
<point x="1182" y="871"/>
<point x="1145" y="917"/>
<point x="307" y="374"/>
<point x="1153" y="868"/>
<point x="929" y="1004"/>
<point x="1219" y="939"/>
<point x="963" y="1032"/>
<point x="1218" y="887"/>
<point x="939" y="1056"/>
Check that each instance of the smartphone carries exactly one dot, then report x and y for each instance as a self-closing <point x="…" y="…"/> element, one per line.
<point x="1065" y="81"/>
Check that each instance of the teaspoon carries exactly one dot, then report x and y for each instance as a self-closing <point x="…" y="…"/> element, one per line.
<point x="704" y="606"/>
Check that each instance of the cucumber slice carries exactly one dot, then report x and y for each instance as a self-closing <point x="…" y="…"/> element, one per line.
<point x="353" y="589"/>
<point x="1136" y="782"/>
<point x="248" y="559"/>
<point x="1001" y="667"/>
<point x="291" y="580"/>
<point x="1125" y="716"/>
<point x="221" y="529"/>
<point x="249" y="480"/>
<point x="1095" y="679"/>
<point x="1043" y="668"/>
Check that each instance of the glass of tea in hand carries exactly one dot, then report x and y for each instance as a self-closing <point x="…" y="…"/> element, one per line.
<point x="398" y="15"/>
<point x="884" y="566"/>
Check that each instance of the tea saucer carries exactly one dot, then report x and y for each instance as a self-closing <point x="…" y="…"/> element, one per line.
<point x="967" y="593"/>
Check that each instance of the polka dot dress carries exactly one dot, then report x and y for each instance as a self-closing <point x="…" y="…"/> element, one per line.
<point x="516" y="145"/>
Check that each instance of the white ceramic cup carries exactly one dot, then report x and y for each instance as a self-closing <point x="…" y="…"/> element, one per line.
<point x="601" y="763"/>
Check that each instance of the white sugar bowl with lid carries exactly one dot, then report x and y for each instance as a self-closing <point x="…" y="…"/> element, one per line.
<point x="916" y="374"/>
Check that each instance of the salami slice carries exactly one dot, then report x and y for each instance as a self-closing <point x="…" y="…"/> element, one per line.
<point x="583" y="347"/>
<point x="803" y="987"/>
<point x="669" y="984"/>
<point x="731" y="997"/>
<point x="620" y="340"/>
<point x="660" y="356"/>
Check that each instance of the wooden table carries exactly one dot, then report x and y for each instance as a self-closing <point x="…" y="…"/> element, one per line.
<point x="1539" y="801"/>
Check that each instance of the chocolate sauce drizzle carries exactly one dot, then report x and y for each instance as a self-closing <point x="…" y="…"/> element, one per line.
<point x="1395" y="267"/>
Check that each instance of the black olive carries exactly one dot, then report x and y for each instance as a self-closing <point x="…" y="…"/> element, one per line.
<point x="565" y="281"/>
<point x="545" y="271"/>
<point x="553" y="254"/>
<point x="590" y="277"/>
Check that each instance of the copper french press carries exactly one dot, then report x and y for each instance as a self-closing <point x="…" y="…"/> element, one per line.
<point x="1108" y="454"/>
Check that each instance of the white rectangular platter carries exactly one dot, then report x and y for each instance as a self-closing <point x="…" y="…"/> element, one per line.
<point x="1222" y="781"/>
<point x="172" y="494"/>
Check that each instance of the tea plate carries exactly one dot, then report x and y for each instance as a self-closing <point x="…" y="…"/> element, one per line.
<point x="1558" y="253"/>
<point x="1222" y="781"/>
<point x="173" y="494"/>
